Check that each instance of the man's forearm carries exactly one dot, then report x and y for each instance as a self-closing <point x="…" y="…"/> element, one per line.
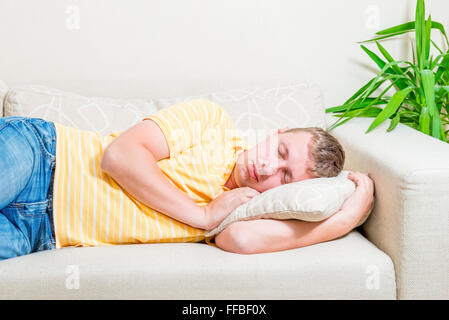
<point x="270" y="235"/>
<point x="144" y="180"/>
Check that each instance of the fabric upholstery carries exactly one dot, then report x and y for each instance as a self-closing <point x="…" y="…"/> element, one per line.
<point x="255" y="110"/>
<point x="99" y="114"/>
<point x="347" y="268"/>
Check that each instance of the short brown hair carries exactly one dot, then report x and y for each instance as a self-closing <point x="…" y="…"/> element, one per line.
<point x="325" y="152"/>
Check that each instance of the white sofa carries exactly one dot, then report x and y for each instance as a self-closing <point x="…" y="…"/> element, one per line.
<point x="156" y="49"/>
<point x="400" y="252"/>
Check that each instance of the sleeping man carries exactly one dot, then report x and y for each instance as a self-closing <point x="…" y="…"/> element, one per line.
<point x="169" y="178"/>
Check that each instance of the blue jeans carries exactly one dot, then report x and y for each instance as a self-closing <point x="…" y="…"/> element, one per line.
<point x="27" y="163"/>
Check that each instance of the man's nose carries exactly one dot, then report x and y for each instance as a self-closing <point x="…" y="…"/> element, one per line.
<point x="267" y="167"/>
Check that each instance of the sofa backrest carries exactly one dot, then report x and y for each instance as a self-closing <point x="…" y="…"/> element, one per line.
<point x="256" y="111"/>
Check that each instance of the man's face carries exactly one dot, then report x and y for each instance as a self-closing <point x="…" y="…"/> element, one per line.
<point x="280" y="158"/>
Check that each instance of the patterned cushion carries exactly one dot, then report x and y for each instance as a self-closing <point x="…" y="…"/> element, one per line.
<point x="257" y="111"/>
<point x="103" y="115"/>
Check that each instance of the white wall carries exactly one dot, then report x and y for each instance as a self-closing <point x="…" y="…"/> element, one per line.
<point x="139" y="48"/>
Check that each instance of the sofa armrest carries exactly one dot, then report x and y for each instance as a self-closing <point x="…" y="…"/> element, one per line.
<point x="410" y="221"/>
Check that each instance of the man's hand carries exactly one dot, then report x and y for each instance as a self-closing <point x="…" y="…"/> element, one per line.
<point x="361" y="201"/>
<point x="219" y="208"/>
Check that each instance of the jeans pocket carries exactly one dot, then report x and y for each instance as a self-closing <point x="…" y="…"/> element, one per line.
<point x="33" y="221"/>
<point x="31" y="209"/>
<point x="44" y="136"/>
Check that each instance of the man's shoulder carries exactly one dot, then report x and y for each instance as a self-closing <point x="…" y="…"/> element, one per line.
<point x="215" y="114"/>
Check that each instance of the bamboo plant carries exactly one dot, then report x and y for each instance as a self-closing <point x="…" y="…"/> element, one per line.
<point x="420" y="86"/>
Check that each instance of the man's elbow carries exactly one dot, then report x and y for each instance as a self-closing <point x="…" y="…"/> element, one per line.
<point x="231" y="240"/>
<point x="108" y="160"/>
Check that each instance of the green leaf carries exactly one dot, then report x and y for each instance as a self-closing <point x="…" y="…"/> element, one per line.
<point x="435" y="45"/>
<point x="428" y="82"/>
<point x="436" y="61"/>
<point x="360" y="91"/>
<point x="441" y="90"/>
<point x="369" y="112"/>
<point x="338" y="123"/>
<point x="407" y="27"/>
<point x="380" y="63"/>
<point x="389" y="59"/>
<point x="357" y="105"/>
<point x="443" y="135"/>
<point x="426" y="41"/>
<point x="411" y="101"/>
<point x="413" y="52"/>
<point x="442" y="68"/>
<point x="424" y="121"/>
<point x="373" y="86"/>
<point x="393" y="68"/>
<point x="412" y="125"/>
<point x="383" y="37"/>
<point x="419" y="29"/>
<point x="439" y="103"/>
<point x="436" y="127"/>
<point x="407" y="117"/>
<point x="391" y="107"/>
<point x="394" y="122"/>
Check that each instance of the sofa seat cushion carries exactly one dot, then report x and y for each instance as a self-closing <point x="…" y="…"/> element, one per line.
<point x="346" y="268"/>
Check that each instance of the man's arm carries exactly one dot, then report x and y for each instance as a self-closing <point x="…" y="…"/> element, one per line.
<point x="131" y="160"/>
<point x="269" y="235"/>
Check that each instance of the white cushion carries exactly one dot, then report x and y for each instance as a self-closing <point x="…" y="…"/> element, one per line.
<point x="308" y="200"/>
<point x="99" y="114"/>
<point x="258" y="110"/>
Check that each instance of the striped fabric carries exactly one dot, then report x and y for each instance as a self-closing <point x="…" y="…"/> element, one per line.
<point x="91" y="209"/>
